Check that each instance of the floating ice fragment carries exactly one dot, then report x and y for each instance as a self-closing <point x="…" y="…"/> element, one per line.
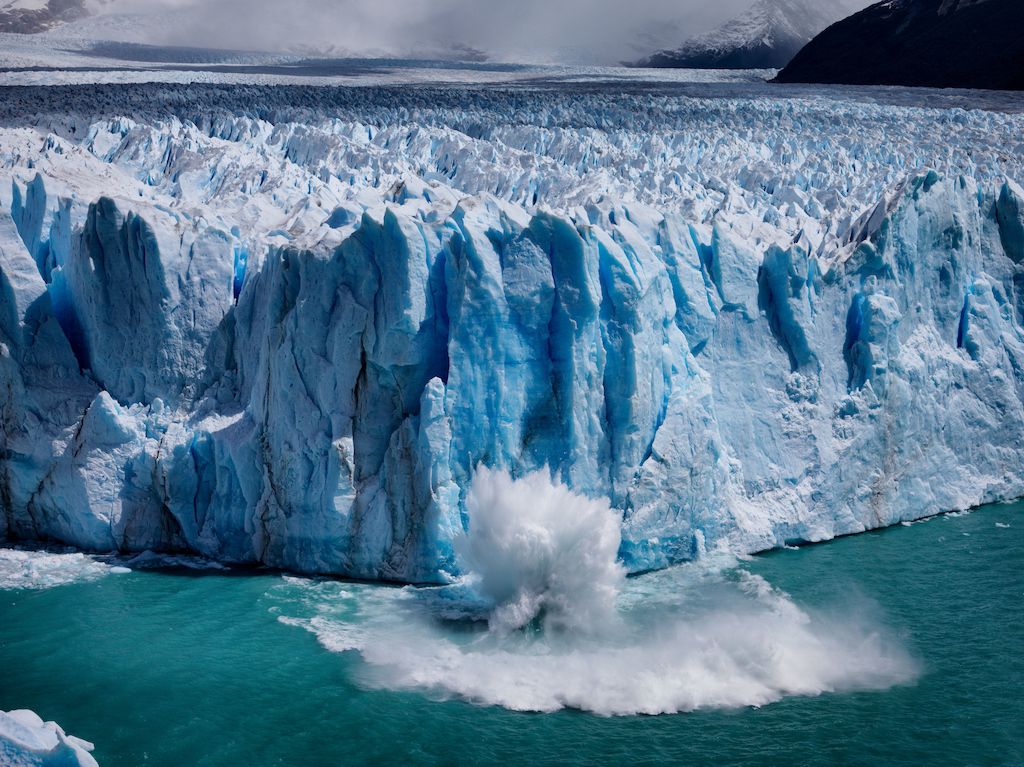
<point x="27" y="741"/>
<point x="25" y="569"/>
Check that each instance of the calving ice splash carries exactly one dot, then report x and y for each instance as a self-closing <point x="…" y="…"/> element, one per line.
<point x="545" y="619"/>
<point x="285" y="327"/>
<point x="534" y="548"/>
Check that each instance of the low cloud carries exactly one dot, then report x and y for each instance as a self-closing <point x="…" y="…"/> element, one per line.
<point x="573" y="30"/>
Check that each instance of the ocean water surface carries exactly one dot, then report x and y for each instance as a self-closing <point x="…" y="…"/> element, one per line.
<point x="897" y="647"/>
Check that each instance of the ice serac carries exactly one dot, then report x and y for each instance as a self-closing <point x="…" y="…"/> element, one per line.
<point x="300" y="349"/>
<point x="148" y="294"/>
<point x="1010" y="215"/>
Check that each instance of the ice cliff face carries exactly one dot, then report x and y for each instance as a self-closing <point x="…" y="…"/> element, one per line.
<point x="293" y="340"/>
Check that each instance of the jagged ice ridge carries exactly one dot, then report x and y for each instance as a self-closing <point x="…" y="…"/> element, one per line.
<point x="289" y="336"/>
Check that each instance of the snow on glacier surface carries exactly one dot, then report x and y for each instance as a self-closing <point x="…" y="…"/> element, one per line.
<point x="287" y="325"/>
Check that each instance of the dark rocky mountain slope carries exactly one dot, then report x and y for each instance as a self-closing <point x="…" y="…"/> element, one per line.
<point x="937" y="43"/>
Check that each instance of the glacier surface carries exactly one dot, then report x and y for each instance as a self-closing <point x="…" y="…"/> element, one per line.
<point x="286" y="326"/>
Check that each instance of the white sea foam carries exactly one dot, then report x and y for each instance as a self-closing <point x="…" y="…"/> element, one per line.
<point x="22" y="569"/>
<point x="698" y="636"/>
<point x="738" y="643"/>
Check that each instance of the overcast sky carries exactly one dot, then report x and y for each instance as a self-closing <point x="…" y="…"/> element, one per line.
<point x="595" y="30"/>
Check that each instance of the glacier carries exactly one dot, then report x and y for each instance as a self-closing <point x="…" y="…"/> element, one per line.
<point x="287" y="326"/>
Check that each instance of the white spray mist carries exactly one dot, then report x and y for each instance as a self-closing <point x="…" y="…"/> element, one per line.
<point x="537" y="548"/>
<point x="705" y="635"/>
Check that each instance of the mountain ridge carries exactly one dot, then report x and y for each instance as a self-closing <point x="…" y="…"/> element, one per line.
<point x="765" y="36"/>
<point x="34" y="16"/>
<point x="931" y="43"/>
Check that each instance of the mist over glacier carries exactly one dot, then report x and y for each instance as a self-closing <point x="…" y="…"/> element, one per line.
<point x="591" y="30"/>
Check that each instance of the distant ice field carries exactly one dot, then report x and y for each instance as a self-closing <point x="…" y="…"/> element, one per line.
<point x="27" y="60"/>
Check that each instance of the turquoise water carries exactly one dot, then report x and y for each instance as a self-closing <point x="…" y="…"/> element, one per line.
<point x="176" y="668"/>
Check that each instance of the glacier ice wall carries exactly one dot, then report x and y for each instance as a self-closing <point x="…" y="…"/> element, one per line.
<point x="292" y="339"/>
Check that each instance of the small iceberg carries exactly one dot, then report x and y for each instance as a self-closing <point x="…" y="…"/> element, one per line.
<point x="27" y="741"/>
<point x="27" y="569"/>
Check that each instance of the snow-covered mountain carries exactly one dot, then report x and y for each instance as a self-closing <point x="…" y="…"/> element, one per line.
<point x="939" y="43"/>
<point x="33" y="16"/>
<point x="287" y="325"/>
<point x="766" y="36"/>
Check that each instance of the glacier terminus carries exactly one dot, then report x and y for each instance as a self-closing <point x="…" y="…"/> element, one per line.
<point x="286" y="326"/>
